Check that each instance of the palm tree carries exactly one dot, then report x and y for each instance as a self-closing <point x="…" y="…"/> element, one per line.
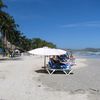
<point x="7" y="26"/>
<point x="2" y="18"/>
<point x="2" y="5"/>
<point x="37" y="42"/>
<point x="9" y="32"/>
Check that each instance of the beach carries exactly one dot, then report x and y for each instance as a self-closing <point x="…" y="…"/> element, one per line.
<point x="24" y="78"/>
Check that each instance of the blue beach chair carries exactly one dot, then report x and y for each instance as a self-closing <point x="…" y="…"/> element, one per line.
<point x="52" y="67"/>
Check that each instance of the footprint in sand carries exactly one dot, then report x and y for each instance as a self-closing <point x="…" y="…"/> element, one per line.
<point x="94" y="91"/>
<point x="2" y="99"/>
<point x="2" y="77"/>
<point x="39" y="85"/>
<point x="78" y="91"/>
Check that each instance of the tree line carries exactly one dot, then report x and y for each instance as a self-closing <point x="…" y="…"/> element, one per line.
<point x="9" y="32"/>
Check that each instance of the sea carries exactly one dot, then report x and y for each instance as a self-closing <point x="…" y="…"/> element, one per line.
<point x="87" y="54"/>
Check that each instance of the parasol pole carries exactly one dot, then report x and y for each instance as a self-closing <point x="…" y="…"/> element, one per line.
<point x="44" y="61"/>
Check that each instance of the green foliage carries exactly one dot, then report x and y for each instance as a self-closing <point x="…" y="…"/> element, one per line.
<point x="37" y="43"/>
<point x="0" y="43"/>
<point x="9" y="31"/>
<point x="25" y="43"/>
<point x="2" y="5"/>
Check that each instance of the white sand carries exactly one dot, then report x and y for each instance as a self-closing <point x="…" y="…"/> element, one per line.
<point x="80" y="62"/>
<point x="18" y="81"/>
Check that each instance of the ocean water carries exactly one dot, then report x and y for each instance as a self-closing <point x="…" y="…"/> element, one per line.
<point x="87" y="54"/>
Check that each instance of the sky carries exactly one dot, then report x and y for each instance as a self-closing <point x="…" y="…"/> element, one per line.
<point x="66" y="23"/>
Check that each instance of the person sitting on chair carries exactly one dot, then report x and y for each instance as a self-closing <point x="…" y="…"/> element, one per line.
<point x="55" y="62"/>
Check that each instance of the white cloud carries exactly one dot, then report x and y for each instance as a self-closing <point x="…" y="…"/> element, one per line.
<point x="84" y="24"/>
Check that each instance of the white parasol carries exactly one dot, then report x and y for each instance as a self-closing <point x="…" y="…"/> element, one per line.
<point x="45" y="51"/>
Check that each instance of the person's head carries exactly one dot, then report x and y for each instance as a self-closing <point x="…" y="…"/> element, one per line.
<point x="54" y="57"/>
<point x="71" y="56"/>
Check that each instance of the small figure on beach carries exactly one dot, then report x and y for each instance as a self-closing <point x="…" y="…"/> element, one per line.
<point x="72" y="59"/>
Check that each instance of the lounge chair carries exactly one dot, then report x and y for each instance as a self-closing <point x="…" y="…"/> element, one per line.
<point x="52" y="67"/>
<point x="64" y="58"/>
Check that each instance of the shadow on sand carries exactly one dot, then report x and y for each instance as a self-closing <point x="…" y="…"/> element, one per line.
<point x="42" y="70"/>
<point x="11" y="59"/>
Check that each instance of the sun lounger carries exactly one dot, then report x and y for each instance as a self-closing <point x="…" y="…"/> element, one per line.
<point x="51" y="68"/>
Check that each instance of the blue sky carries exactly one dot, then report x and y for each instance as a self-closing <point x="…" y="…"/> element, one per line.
<point x="66" y="23"/>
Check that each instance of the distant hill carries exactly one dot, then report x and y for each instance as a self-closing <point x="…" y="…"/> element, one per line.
<point x="88" y="50"/>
